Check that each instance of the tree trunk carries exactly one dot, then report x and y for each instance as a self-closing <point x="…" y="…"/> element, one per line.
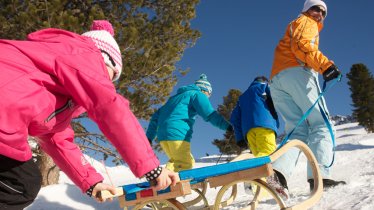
<point x="50" y="172"/>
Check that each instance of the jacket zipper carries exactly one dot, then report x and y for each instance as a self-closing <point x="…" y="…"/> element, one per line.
<point x="11" y="188"/>
<point x="58" y="111"/>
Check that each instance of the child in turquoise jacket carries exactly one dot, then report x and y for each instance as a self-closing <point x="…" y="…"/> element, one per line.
<point x="173" y="122"/>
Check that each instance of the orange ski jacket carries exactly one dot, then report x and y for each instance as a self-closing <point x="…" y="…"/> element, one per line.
<point x="299" y="47"/>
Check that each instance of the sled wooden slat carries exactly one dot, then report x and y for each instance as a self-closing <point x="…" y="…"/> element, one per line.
<point x="106" y="194"/>
<point x="253" y="173"/>
<point x="180" y="189"/>
<point x="198" y="185"/>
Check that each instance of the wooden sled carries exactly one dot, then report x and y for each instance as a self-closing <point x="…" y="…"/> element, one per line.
<point x="201" y="189"/>
<point x="226" y="176"/>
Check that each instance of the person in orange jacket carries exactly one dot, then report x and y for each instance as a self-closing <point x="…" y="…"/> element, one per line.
<point x="294" y="87"/>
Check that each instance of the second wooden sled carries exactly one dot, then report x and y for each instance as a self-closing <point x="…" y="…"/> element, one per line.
<point x="225" y="176"/>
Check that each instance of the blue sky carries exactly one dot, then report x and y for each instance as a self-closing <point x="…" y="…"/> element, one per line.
<point x="238" y="41"/>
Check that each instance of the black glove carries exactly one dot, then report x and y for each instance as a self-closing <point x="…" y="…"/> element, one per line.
<point x="242" y="144"/>
<point x="331" y="73"/>
<point x="230" y="128"/>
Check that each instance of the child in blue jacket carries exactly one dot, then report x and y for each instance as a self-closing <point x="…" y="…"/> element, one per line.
<point x="255" y="120"/>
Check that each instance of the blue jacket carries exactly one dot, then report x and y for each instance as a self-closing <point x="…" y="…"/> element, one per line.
<point x="254" y="109"/>
<point x="175" y="119"/>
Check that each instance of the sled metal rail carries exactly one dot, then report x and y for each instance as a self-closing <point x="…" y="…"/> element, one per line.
<point x="226" y="176"/>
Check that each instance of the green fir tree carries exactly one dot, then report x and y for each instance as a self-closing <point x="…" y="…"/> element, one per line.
<point x="361" y="84"/>
<point x="227" y="145"/>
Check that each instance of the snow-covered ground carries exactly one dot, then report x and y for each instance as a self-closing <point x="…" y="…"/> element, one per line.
<point x="354" y="163"/>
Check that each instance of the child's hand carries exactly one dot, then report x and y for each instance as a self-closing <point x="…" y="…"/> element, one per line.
<point x="166" y="178"/>
<point x="96" y="193"/>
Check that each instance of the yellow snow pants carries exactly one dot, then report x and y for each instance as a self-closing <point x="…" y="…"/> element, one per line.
<point x="179" y="154"/>
<point x="261" y="142"/>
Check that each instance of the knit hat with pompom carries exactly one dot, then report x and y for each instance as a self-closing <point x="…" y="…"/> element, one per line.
<point x="101" y="33"/>
<point x="204" y="84"/>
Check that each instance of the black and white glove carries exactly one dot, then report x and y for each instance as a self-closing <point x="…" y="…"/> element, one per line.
<point x="331" y="73"/>
<point x="153" y="175"/>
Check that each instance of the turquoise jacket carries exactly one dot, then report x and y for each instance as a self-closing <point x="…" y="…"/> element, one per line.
<point x="175" y="119"/>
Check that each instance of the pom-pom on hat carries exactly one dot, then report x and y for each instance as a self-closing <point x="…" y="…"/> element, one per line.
<point x="310" y="3"/>
<point x="101" y="33"/>
<point x="204" y="84"/>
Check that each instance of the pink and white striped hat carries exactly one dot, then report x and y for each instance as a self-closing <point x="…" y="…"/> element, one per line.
<point x="101" y="32"/>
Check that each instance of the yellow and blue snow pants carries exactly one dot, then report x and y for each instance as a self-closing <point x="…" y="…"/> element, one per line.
<point x="261" y="142"/>
<point x="179" y="154"/>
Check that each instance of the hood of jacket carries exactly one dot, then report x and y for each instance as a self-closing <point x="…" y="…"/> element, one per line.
<point x="53" y="35"/>
<point x="319" y="24"/>
<point x="188" y="88"/>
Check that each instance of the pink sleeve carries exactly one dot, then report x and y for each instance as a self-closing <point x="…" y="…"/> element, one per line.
<point x="86" y="79"/>
<point x="69" y="158"/>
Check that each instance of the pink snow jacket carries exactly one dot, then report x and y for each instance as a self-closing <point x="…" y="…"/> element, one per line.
<point x="46" y="81"/>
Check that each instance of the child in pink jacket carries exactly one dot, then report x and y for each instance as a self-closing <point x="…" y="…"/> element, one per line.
<point x="47" y="80"/>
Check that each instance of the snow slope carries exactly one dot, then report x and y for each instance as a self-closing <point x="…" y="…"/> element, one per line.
<point x="354" y="163"/>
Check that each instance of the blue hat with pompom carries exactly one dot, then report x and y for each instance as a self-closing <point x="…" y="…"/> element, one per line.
<point x="204" y="84"/>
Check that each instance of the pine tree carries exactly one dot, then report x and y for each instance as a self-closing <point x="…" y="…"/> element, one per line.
<point x="361" y="84"/>
<point x="227" y="145"/>
<point x="152" y="36"/>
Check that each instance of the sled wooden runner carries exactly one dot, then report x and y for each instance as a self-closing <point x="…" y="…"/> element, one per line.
<point x="226" y="176"/>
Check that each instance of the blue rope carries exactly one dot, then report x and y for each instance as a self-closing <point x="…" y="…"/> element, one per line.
<point x="325" y="118"/>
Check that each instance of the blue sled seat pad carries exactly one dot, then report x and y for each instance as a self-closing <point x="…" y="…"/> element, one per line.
<point x="133" y="188"/>
<point x="200" y="174"/>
